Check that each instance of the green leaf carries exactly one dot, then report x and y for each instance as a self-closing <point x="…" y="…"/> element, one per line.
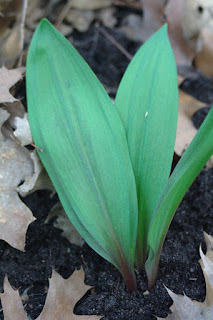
<point x="147" y="102"/>
<point x="189" y="166"/>
<point x="84" y="146"/>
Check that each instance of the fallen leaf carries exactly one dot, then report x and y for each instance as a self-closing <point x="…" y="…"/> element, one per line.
<point x="10" y="31"/>
<point x="106" y="16"/>
<point x="204" y="59"/>
<point x="22" y="132"/>
<point x="7" y="79"/>
<point x="184" y="54"/>
<point x="62" y="296"/>
<point x="62" y="222"/>
<point x="11" y="303"/>
<point x="39" y="180"/>
<point x="80" y="19"/>
<point x="153" y="17"/>
<point x="185" y="128"/>
<point x="15" y="166"/>
<point x="186" y="309"/>
<point x="186" y="19"/>
<point x="196" y="16"/>
<point x="206" y="263"/>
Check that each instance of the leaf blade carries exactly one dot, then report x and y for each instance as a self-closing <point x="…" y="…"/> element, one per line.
<point x="147" y="102"/>
<point x="189" y="166"/>
<point x="85" y="151"/>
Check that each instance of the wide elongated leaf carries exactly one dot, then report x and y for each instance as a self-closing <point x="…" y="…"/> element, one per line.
<point x="84" y="146"/>
<point x="189" y="166"/>
<point x="147" y="102"/>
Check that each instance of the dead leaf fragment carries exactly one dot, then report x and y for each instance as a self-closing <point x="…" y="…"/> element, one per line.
<point x="204" y="59"/>
<point x="7" y="79"/>
<point x="184" y="53"/>
<point x="62" y="222"/>
<point x="80" y="19"/>
<point x="23" y="132"/>
<point x="186" y="129"/>
<point x="10" y="31"/>
<point x="15" y="166"/>
<point x="11" y="303"/>
<point x="62" y="296"/>
<point x="153" y="17"/>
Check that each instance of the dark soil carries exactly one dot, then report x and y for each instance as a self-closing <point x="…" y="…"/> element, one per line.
<point x="179" y="269"/>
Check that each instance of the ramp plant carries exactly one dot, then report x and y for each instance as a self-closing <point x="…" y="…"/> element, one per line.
<point x="110" y="163"/>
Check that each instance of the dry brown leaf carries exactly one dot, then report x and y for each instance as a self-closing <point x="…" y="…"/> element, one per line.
<point x="22" y="132"/>
<point x="11" y="303"/>
<point x="62" y="222"/>
<point x="186" y="309"/>
<point x="15" y="166"/>
<point x="106" y="16"/>
<point x="153" y="17"/>
<point x="184" y="54"/>
<point x="80" y="19"/>
<point x="62" y="296"/>
<point x="7" y="79"/>
<point x="186" y="129"/>
<point x="186" y="20"/>
<point x="204" y="59"/>
<point x="10" y="37"/>
<point x="206" y="263"/>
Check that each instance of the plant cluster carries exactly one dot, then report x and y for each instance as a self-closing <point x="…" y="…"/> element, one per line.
<point x="110" y="163"/>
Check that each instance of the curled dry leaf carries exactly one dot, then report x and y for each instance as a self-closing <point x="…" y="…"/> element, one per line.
<point x="63" y="294"/>
<point x="204" y="59"/>
<point x="186" y="130"/>
<point x="39" y="180"/>
<point x="10" y="37"/>
<point x="63" y="222"/>
<point x="186" y="309"/>
<point x="186" y="20"/>
<point x="7" y="79"/>
<point x="184" y="53"/>
<point x="22" y="132"/>
<point x="153" y="17"/>
<point x="15" y="166"/>
<point x="206" y="263"/>
<point x="80" y="19"/>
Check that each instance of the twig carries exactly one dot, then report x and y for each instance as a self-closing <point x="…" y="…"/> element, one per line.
<point x="63" y="14"/>
<point x="22" y="24"/>
<point x="114" y="42"/>
<point x="39" y="149"/>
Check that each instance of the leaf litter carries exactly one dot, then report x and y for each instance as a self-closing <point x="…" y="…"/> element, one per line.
<point x="7" y="79"/>
<point x="186" y="309"/>
<point x="32" y="180"/>
<point x="16" y="165"/>
<point x="62" y="296"/>
<point x="20" y="170"/>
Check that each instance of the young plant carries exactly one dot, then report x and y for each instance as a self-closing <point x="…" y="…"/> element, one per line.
<point x="110" y="164"/>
